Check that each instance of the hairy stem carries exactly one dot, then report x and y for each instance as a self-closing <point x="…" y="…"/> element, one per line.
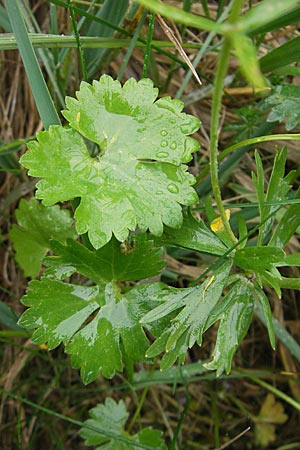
<point x="214" y="133"/>
<point x="222" y="67"/>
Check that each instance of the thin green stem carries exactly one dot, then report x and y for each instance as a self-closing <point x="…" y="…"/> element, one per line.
<point x="148" y="46"/>
<point x="138" y="409"/>
<point x="278" y="393"/>
<point x="222" y="67"/>
<point x="214" y="133"/>
<point x="80" y="50"/>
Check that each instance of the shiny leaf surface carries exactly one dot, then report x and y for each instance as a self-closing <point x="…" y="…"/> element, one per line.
<point x="135" y="259"/>
<point x="97" y="324"/>
<point x="258" y="258"/>
<point x="137" y="178"/>
<point x="195" y="236"/>
<point x="234" y="323"/>
<point x="188" y="325"/>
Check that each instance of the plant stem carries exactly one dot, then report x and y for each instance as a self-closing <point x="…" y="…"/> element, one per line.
<point x="222" y="67"/>
<point x="214" y="133"/>
<point x="148" y="45"/>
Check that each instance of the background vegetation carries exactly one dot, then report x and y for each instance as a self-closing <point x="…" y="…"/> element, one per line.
<point x="43" y="399"/>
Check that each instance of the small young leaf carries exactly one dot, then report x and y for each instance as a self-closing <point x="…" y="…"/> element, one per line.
<point x="193" y="235"/>
<point x="234" y="324"/>
<point x="96" y="323"/>
<point x="133" y="260"/>
<point x="137" y="179"/>
<point x="38" y="224"/>
<point x="188" y="326"/>
<point x="110" y="419"/>
<point x="285" y="105"/>
<point x="258" y="258"/>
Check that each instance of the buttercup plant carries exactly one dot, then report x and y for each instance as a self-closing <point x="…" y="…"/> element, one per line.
<point x="122" y="163"/>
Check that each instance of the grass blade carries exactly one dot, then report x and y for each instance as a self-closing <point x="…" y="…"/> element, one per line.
<point x="38" y="85"/>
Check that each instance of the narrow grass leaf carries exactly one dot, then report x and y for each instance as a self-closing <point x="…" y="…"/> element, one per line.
<point x="287" y="53"/>
<point x="38" y="85"/>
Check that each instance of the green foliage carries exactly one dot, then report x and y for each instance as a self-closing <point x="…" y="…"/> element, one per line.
<point x="98" y="324"/>
<point x="103" y="322"/>
<point x="285" y="105"/>
<point x="38" y="224"/>
<point x="142" y="145"/>
<point x="193" y="235"/>
<point x="235" y="314"/>
<point x="195" y="306"/>
<point x="121" y="159"/>
<point x="111" y="419"/>
<point x="8" y="317"/>
<point x="132" y="260"/>
<point x="249" y="119"/>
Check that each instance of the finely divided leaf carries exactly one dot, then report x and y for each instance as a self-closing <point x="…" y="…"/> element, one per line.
<point x="137" y="179"/>
<point x="38" y="224"/>
<point x="132" y="260"/>
<point x="110" y="420"/>
<point x="188" y="326"/>
<point x="234" y="319"/>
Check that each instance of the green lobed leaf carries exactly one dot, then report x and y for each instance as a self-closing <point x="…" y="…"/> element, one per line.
<point x="38" y="224"/>
<point x="188" y="325"/>
<point x="285" y="105"/>
<point x="97" y="324"/>
<point x="258" y="258"/>
<point x="137" y="179"/>
<point x="111" y="418"/>
<point x="133" y="260"/>
<point x="193" y="235"/>
<point x="234" y="323"/>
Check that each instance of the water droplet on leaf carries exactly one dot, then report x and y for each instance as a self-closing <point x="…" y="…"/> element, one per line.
<point x="173" y="146"/>
<point x="173" y="188"/>
<point x="186" y="128"/>
<point x="162" y="154"/>
<point x="163" y="133"/>
<point x="164" y="143"/>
